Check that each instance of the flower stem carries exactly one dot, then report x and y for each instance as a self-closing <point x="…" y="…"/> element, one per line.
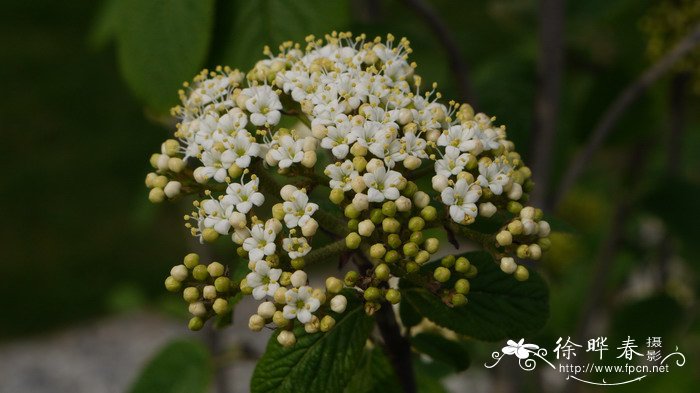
<point x="397" y="347"/>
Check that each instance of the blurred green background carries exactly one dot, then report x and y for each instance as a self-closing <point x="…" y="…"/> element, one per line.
<point x="84" y="108"/>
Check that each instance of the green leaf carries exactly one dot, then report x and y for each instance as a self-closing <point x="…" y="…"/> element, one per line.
<point x="104" y="28"/>
<point x="319" y="362"/>
<point x="183" y="366"/>
<point x="270" y="22"/>
<point x="451" y="353"/>
<point x="428" y="376"/>
<point x="499" y="306"/>
<point x="409" y="315"/>
<point x="160" y="44"/>
<point x="374" y="375"/>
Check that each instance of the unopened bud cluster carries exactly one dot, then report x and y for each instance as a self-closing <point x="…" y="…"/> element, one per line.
<point x="368" y="118"/>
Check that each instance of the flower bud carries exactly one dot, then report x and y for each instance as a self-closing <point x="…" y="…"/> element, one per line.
<point x="256" y="323"/>
<point x="544" y="243"/>
<point x="195" y="323"/>
<point x="405" y="116"/>
<point x="266" y="310"/>
<point x="422" y="257"/>
<point x="521" y="273"/>
<point x="286" y="338"/>
<point x="412" y="267"/>
<point x="176" y="164"/>
<point x="339" y="303"/>
<point x="416" y="237"/>
<point x="327" y="323"/>
<point x="410" y="249"/>
<point x="210" y="235"/>
<point x="462" y="265"/>
<point x="391" y="225"/>
<point x="336" y="196"/>
<point x="372" y="293"/>
<point x="200" y="175"/>
<point x="351" y="278"/>
<point x="523" y="251"/>
<point x="394" y="240"/>
<point x="529" y="226"/>
<point x="515" y="227"/>
<point x="360" y="163"/>
<point x="280" y="295"/>
<point x="153" y="160"/>
<point x="431" y="245"/>
<point x="428" y="213"/>
<point x="543" y="228"/>
<point x="358" y="150"/>
<point x="156" y="195"/>
<point x="215" y="269"/>
<point x="421" y="199"/>
<point x="487" y="209"/>
<point x="382" y="272"/>
<point x="439" y="183"/>
<point x="352" y="241"/>
<point x="365" y="228"/>
<point x="360" y="202"/>
<point x="220" y="306"/>
<point x="245" y="288"/>
<point x="162" y="162"/>
<point x="179" y="272"/>
<point x="222" y="284"/>
<point x="172" y="189"/>
<point x="209" y="292"/>
<point x="504" y="238"/>
<point x="393" y="296"/>
<point x="508" y="265"/>
<point x="515" y="192"/>
<point x="200" y="273"/>
<point x="172" y="285"/>
<point x="358" y="184"/>
<point x="442" y="274"/>
<point x="190" y="294"/>
<point x="416" y="224"/>
<point x="312" y="326"/>
<point x="458" y="300"/>
<point x="299" y="278"/>
<point x="514" y="207"/>
<point x="472" y="272"/>
<point x="535" y="251"/>
<point x="333" y="285"/>
<point x="403" y="204"/>
<point x="309" y="159"/>
<point x="287" y="192"/>
<point x="319" y="131"/>
<point x="462" y="286"/>
<point x="373" y="164"/>
<point x="389" y="208"/>
<point x="448" y="261"/>
<point x="310" y="143"/>
<point x="270" y="159"/>
<point x="392" y="256"/>
<point x="527" y="212"/>
<point x="279" y="320"/>
<point x="412" y="162"/>
<point x="309" y="228"/>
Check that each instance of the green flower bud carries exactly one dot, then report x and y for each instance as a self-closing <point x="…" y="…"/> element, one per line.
<point x="523" y="251"/>
<point x="245" y="288"/>
<point x="278" y="211"/>
<point x="222" y="284"/>
<point x="393" y="296"/>
<point x="353" y="224"/>
<point x="458" y="300"/>
<point x="393" y="240"/>
<point x="391" y="225"/>
<point x="351" y="211"/>
<point x="352" y="240"/>
<point x="196" y="323"/>
<point x="472" y="272"/>
<point x="392" y="256"/>
<point x="327" y="323"/>
<point x="422" y="257"/>
<point x="351" y="278"/>
<point x="209" y="235"/>
<point x="376" y="216"/>
<point x="377" y="251"/>
<point x="539" y="214"/>
<point x="545" y="243"/>
<point x="504" y="238"/>
<point x="172" y="285"/>
<point x="382" y="272"/>
<point x="412" y="267"/>
<point x="416" y="224"/>
<point x="448" y="261"/>
<point x="462" y="286"/>
<point x="333" y="285"/>
<point x="190" y="294"/>
<point x="200" y="273"/>
<point x="515" y="227"/>
<point x="215" y="269"/>
<point x="298" y="263"/>
<point x="286" y="279"/>
<point x="234" y="171"/>
<point x="462" y="265"/>
<point x="256" y="323"/>
<point x="371" y="308"/>
<point x="279" y="320"/>
<point x="156" y="195"/>
<point x="429" y="213"/>
<point x="521" y="273"/>
<point x="410" y="249"/>
<point x="372" y="293"/>
<point x="417" y="237"/>
<point x="241" y="252"/>
<point x="410" y="189"/>
<point x="514" y="207"/>
<point x="286" y="338"/>
<point x="431" y="245"/>
<point x="337" y="196"/>
<point x="360" y="163"/>
<point x="442" y="274"/>
<point x="191" y="260"/>
<point x="220" y="306"/>
<point x="389" y="208"/>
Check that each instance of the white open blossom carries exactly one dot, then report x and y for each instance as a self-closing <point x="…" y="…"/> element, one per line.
<point x="261" y="241"/>
<point x="298" y="210"/>
<point x="461" y="199"/>
<point x="244" y="196"/>
<point x="494" y="175"/>
<point x="382" y="184"/>
<point x="452" y="162"/>
<point x="287" y="151"/>
<point x="300" y="304"/>
<point x="296" y="247"/>
<point x="263" y="280"/>
<point x="264" y="105"/>
<point x="341" y="174"/>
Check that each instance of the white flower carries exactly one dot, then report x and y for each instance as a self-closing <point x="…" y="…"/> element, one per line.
<point x="243" y="147"/>
<point x="298" y="210"/>
<point x="296" y="247"/>
<point x="341" y="175"/>
<point x="215" y="214"/>
<point x="382" y="184"/>
<point x="300" y="304"/>
<point x="261" y="241"/>
<point x="459" y="137"/>
<point x="414" y="145"/>
<point x="339" y="137"/>
<point x="494" y="175"/>
<point x="288" y="151"/>
<point x="264" y="105"/>
<point x="244" y="196"/>
<point x="263" y="280"/>
<point x="452" y="162"/>
<point x="461" y="199"/>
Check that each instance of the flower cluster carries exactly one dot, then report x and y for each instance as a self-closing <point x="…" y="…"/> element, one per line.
<point x="365" y="133"/>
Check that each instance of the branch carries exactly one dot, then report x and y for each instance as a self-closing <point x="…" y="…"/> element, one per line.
<point x="456" y="62"/>
<point x="550" y="69"/>
<point x="398" y="348"/>
<point x="619" y="106"/>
